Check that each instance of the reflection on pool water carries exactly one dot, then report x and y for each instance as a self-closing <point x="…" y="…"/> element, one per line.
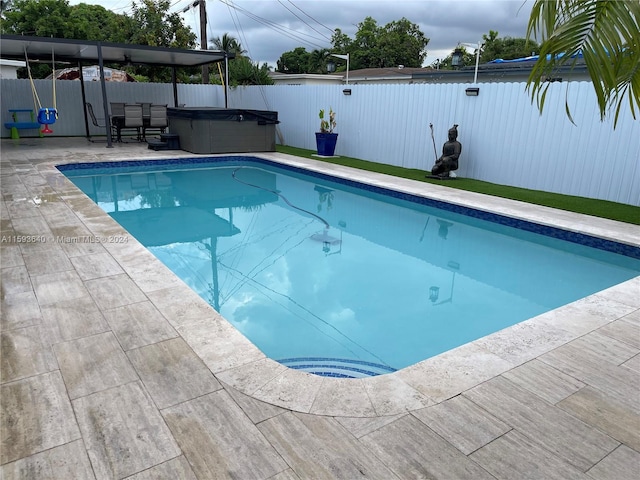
<point x="342" y="281"/>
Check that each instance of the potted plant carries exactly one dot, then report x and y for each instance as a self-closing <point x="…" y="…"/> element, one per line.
<point x="325" y="138"/>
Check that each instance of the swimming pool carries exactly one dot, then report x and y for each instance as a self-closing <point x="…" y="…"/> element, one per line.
<point x="382" y="278"/>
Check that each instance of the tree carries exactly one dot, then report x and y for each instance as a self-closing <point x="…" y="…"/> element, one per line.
<point x="295" y="61"/>
<point x="4" y="6"/>
<point x="149" y="25"/>
<point x="228" y="43"/>
<point x="94" y="22"/>
<point x="244" y="72"/>
<point x="155" y="27"/>
<point x="318" y="60"/>
<point x="402" y="43"/>
<point x="41" y="18"/>
<point x="56" y="18"/>
<point x="606" y="34"/>
<point x="493" y="47"/>
<point x="397" y="43"/>
<point x="506" y="48"/>
<point x="364" y="51"/>
<point x="341" y="41"/>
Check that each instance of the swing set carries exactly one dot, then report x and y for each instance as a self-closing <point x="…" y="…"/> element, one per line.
<point x="46" y="116"/>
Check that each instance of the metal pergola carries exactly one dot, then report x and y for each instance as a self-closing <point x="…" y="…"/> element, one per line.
<point x="18" y="47"/>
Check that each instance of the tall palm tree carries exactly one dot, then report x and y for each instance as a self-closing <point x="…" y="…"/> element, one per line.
<point x="318" y="61"/>
<point x="228" y="43"/>
<point x="605" y="32"/>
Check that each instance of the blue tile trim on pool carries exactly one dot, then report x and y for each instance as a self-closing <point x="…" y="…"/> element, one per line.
<point x="553" y="232"/>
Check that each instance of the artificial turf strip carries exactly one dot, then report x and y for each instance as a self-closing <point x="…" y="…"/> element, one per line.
<point x="589" y="206"/>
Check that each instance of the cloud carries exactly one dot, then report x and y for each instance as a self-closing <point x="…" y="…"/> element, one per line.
<point x="289" y="24"/>
<point x="268" y="28"/>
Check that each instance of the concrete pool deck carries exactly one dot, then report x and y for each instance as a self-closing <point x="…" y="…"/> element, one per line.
<point x="113" y="368"/>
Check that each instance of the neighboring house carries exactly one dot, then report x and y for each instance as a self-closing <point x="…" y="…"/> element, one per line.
<point x="398" y="74"/>
<point x="497" y="71"/>
<point x="502" y="71"/>
<point x="305" y="79"/>
<point x="9" y="68"/>
<point x="92" y="74"/>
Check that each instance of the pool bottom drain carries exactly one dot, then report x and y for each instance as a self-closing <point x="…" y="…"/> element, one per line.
<point x="336" y="367"/>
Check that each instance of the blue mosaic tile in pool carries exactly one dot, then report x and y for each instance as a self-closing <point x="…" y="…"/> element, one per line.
<point x="337" y="367"/>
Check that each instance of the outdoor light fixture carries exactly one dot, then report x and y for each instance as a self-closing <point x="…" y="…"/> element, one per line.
<point x="434" y="293"/>
<point x="331" y="66"/>
<point x="347" y="91"/>
<point x="456" y="58"/>
<point x="472" y="91"/>
<point x="344" y="57"/>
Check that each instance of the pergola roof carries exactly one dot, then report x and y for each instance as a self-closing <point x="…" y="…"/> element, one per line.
<point x="67" y="50"/>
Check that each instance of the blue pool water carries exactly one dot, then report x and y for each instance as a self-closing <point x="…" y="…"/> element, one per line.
<point x="335" y="279"/>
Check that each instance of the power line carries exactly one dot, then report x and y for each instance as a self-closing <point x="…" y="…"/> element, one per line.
<point x="115" y="7"/>
<point x="276" y="27"/>
<point x="303" y="21"/>
<point x="318" y="22"/>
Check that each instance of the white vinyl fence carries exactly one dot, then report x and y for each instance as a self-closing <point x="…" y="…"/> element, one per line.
<point x="504" y="138"/>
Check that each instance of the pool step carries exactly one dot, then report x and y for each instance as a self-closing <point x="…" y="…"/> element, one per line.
<point x="168" y="141"/>
<point x="336" y="367"/>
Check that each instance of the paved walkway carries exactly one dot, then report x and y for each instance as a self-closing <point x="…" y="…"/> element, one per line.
<point x="112" y="368"/>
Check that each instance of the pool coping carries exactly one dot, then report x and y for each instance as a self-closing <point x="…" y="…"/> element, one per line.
<point x="240" y="364"/>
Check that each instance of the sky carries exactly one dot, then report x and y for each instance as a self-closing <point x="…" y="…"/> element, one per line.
<point x="268" y="28"/>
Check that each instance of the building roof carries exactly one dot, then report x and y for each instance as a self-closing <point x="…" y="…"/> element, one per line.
<point x="496" y="71"/>
<point x="17" y="47"/>
<point x="370" y="75"/>
<point x="386" y="73"/>
<point x="500" y="71"/>
<point x="92" y="74"/>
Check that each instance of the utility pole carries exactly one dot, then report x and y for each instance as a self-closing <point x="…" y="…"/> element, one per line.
<point x="203" y="34"/>
<point x="203" y="38"/>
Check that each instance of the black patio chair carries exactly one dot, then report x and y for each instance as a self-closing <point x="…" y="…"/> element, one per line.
<point x="95" y="122"/>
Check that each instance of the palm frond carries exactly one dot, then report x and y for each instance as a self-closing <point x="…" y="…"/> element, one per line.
<point x="605" y="32"/>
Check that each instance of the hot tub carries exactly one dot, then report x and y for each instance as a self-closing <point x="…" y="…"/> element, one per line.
<point x="223" y="130"/>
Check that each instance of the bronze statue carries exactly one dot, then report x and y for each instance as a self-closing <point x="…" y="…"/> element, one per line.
<point x="448" y="161"/>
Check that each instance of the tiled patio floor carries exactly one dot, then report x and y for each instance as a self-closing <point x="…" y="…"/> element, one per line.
<point x="112" y="368"/>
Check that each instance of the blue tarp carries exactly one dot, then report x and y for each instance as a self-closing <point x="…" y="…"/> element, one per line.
<point x="533" y="58"/>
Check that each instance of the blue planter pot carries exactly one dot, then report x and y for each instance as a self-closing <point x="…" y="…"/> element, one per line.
<point x="326" y="143"/>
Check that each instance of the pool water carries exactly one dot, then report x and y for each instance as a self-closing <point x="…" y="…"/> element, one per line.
<point x="338" y="280"/>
